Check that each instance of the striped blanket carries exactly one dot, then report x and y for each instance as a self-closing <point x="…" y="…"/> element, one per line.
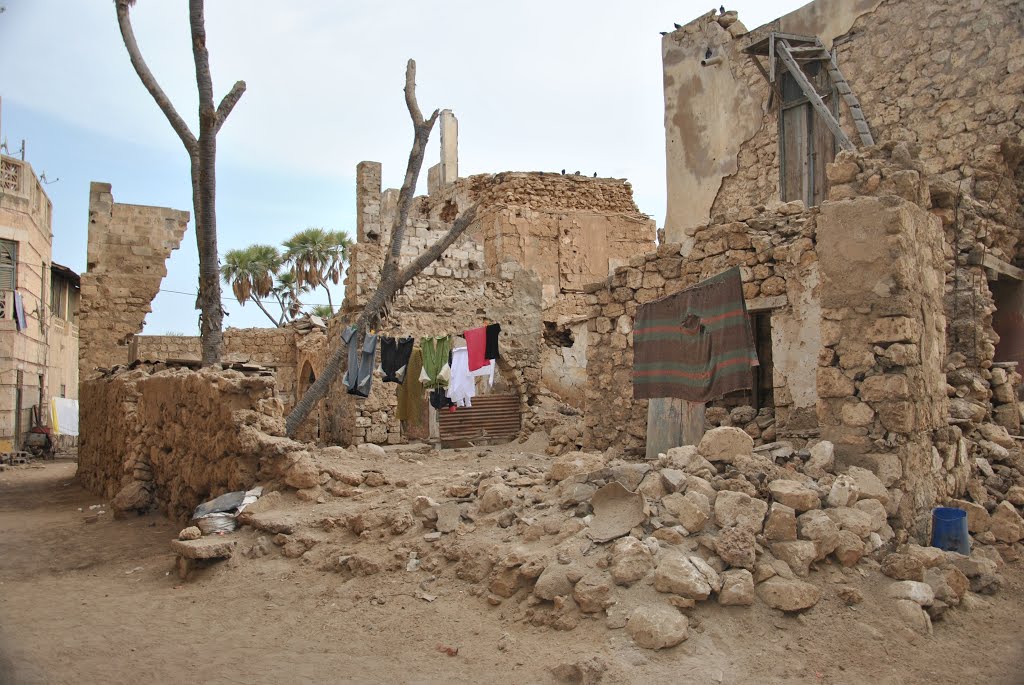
<point x="696" y="344"/>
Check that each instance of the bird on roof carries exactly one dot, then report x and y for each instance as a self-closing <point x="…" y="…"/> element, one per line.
<point x="576" y="174"/>
<point x="664" y="33"/>
<point x="678" y="26"/>
<point x="563" y="172"/>
<point x="595" y="174"/>
<point x="707" y="55"/>
<point x="721" y="10"/>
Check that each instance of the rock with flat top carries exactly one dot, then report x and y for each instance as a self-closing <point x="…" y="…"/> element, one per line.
<point x="794" y="494"/>
<point x="788" y="595"/>
<point x="781" y="523"/>
<point x="868" y="485"/>
<point x="676" y="574"/>
<point x="210" y="547"/>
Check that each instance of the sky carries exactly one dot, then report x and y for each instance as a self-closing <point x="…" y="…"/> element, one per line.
<point x="536" y="85"/>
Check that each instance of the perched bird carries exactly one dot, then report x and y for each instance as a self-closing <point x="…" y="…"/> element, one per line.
<point x="664" y="33"/>
<point x="576" y="174"/>
<point x="563" y="172"/>
<point x="595" y="174"/>
<point x="678" y="26"/>
<point x="721" y="10"/>
<point x="707" y="55"/>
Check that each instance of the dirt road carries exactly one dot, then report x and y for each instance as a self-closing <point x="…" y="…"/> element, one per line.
<point x="99" y="602"/>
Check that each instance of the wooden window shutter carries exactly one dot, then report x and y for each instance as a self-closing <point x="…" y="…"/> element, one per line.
<point x="8" y="265"/>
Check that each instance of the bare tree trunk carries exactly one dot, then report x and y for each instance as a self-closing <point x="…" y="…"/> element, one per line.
<point x="202" y="154"/>
<point x="264" y="310"/>
<point x="392" y="278"/>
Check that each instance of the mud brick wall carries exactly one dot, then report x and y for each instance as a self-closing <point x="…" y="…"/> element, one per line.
<point x="127" y="253"/>
<point x="174" y="438"/>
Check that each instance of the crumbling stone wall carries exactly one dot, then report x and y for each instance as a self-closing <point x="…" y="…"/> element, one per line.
<point x="172" y="438"/>
<point x="275" y="348"/>
<point x="778" y="264"/>
<point x="127" y="253"/>
<point x="538" y="238"/>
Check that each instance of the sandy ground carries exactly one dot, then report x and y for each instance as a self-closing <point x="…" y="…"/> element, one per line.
<point x="100" y="603"/>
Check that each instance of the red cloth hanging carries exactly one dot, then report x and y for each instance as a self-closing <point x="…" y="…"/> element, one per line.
<point x="476" y="347"/>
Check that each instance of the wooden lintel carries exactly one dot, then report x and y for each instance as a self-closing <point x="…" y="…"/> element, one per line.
<point x="762" y="304"/>
<point x="1001" y="267"/>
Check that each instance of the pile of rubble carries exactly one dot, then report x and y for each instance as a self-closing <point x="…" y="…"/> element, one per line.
<point x="635" y="543"/>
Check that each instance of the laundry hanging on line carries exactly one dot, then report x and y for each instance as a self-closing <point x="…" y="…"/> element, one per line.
<point x="359" y="375"/>
<point x="436" y="372"/>
<point x="394" y="358"/>
<point x="696" y="344"/>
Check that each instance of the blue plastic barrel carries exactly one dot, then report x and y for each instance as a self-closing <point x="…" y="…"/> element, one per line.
<point x="949" y="530"/>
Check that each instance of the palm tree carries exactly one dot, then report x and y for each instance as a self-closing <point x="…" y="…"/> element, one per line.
<point x="324" y="311"/>
<point x="250" y="272"/>
<point x="287" y="292"/>
<point x="318" y="257"/>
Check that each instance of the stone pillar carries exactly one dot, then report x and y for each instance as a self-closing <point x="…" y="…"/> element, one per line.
<point x="449" y="147"/>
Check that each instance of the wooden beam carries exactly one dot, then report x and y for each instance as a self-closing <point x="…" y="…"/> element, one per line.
<point x="775" y="89"/>
<point x="1001" y="267"/>
<point x="830" y="121"/>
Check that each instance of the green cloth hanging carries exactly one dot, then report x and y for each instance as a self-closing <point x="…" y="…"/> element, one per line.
<point x="410" y="393"/>
<point x="436" y="371"/>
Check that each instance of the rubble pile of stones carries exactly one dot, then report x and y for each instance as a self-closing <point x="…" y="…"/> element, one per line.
<point x="638" y="544"/>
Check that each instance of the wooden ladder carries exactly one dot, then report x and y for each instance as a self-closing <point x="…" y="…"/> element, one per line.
<point x="791" y="57"/>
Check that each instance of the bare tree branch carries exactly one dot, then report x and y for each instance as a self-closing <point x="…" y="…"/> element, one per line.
<point x="149" y="81"/>
<point x="228" y="103"/>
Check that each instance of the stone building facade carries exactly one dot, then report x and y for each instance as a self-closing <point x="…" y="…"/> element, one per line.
<point x="39" y="361"/>
<point x="896" y="332"/>
<point x="537" y="240"/>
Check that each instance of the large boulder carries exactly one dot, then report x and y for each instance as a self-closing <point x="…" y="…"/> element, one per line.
<point x="657" y="627"/>
<point x="572" y="463"/>
<point x="787" y="594"/>
<point x="724" y="444"/>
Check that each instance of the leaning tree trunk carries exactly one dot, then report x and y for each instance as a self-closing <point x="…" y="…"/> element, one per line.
<point x="202" y="154"/>
<point x="392" y="278"/>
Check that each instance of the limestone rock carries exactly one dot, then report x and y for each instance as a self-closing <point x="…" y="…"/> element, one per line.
<point x="190" y="533"/>
<point x="630" y="475"/>
<point x="875" y="510"/>
<point x="631" y="561"/>
<point x="781" y="523"/>
<point x="687" y="459"/>
<point x="678" y="575"/>
<point x="496" y="498"/>
<point x="853" y="520"/>
<point x="652" y="486"/>
<point x="593" y="593"/>
<point x="674" y="480"/>
<point x="914" y="616"/>
<point x="210" y="547"/>
<point x="698" y="485"/>
<point x="815" y="525"/>
<point x="133" y="497"/>
<point x="798" y="555"/>
<point x="849" y="549"/>
<point x="903" y="567"/>
<point x="724" y="444"/>
<point x="737" y="588"/>
<point x="553" y="582"/>
<point x="949" y="585"/>
<point x="736" y="547"/>
<point x="822" y="459"/>
<point x="794" y="494"/>
<point x="788" y="595"/>
<point x="448" y="516"/>
<point x="303" y="473"/>
<point x="657" y="627"/>
<point x="1006" y="524"/>
<point x="739" y="509"/>
<point x="572" y="463"/>
<point x="844" y="492"/>
<point x="868" y="485"/>
<point x="368" y="449"/>
<point x="686" y="510"/>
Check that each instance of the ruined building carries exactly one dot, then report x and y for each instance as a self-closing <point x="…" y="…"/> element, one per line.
<point x="861" y="163"/>
<point x="38" y="308"/>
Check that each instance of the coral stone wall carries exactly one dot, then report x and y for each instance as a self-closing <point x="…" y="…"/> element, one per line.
<point x="128" y="249"/>
<point x="173" y="438"/>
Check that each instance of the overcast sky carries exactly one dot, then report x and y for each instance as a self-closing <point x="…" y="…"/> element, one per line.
<point x="536" y="85"/>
